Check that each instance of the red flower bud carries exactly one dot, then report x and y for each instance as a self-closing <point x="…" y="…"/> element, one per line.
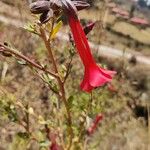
<point x="88" y="27"/>
<point x="55" y="146"/>
<point x="45" y="17"/>
<point x="94" y="125"/>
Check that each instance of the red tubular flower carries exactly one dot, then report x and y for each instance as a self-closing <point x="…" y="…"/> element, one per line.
<point x="94" y="76"/>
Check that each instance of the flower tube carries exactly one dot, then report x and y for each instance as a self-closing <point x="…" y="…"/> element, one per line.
<point x="94" y="75"/>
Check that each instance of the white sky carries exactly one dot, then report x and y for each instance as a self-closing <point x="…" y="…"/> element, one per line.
<point x="148" y="2"/>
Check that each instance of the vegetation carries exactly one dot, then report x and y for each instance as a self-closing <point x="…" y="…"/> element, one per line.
<point x="42" y="105"/>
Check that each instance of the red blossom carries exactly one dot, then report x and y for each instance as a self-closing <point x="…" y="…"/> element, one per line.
<point x="55" y="146"/>
<point x="53" y="138"/>
<point x="94" y="76"/>
<point x="94" y="125"/>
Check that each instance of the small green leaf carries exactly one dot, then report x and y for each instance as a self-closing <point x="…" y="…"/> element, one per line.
<point x="70" y="101"/>
<point x="23" y="135"/>
<point x="41" y="120"/>
<point x="22" y="62"/>
<point x="56" y="29"/>
<point x="31" y="28"/>
<point x="45" y="143"/>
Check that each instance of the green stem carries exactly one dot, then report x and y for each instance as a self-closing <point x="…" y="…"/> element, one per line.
<point x="60" y="82"/>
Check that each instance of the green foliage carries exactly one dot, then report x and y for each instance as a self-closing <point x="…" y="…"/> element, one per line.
<point x="44" y="144"/>
<point x="7" y="108"/>
<point x="56" y="29"/>
<point x="19" y="143"/>
<point x="31" y="28"/>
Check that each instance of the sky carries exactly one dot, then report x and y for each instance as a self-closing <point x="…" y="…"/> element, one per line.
<point x="148" y="2"/>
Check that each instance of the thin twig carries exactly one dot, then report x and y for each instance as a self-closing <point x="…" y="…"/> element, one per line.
<point x="148" y="110"/>
<point x="50" y="87"/>
<point x="48" y="47"/>
<point x="27" y="119"/>
<point x="68" y="70"/>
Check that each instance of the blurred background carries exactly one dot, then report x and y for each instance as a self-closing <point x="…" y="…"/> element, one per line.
<point x="120" y="41"/>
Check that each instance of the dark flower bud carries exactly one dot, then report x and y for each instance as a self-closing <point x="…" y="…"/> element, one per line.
<point x="81" y="5"/>
<point x="57" y="12"/>
<point x="39" y="7"/>
<point x="88" y="27"/>
<point x="69" y="8"/>
<point x="55" y="4"/>
<point x="45" y="17"/>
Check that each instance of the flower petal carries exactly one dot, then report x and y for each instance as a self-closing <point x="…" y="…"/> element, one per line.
<point x="96" y="77"/>
<point x="105" y="72"/>
<point x="85" y="86"/>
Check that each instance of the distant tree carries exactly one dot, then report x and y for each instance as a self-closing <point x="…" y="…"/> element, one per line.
<point x="142" y="3"/>
<point x="132" y="11"/>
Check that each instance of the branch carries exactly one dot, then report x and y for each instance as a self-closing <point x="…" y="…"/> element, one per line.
<point x="4" y="48"/>
<point x="68" y="70"/>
